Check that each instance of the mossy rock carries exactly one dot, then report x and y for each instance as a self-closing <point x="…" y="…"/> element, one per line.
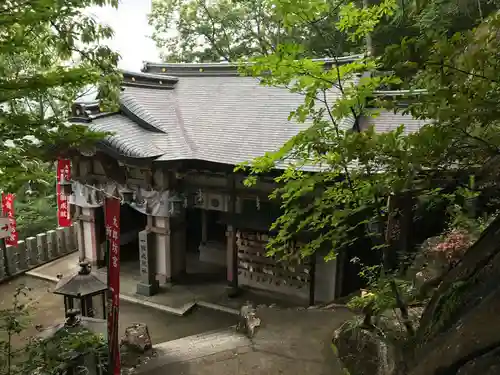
<point x="362" y="352"/>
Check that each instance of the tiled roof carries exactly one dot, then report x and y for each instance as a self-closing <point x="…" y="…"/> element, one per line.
<point x="387" y="121"/>
<point x="222" y="118"/>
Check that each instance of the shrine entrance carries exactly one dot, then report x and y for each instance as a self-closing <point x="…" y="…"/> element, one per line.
<point x="131" y="223"/>
<point x="206" y="246"/>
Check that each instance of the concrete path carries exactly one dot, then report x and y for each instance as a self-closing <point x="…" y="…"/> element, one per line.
<point x="174" y="303"/>
<point x="289" y="342"/>
<point x="174" y="299"/>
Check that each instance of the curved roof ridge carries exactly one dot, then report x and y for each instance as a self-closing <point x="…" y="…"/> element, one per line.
<point x="129" y="139"/>
<point x="221" y="68"/>
<point x="139" y="111"/>
<point x="135" y="111"/>
<point x="148" y="80"/>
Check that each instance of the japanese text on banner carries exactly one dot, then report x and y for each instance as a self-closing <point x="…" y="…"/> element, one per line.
<point x="8" y="210"/>
<point x="63" y="174"/>
<point x="112" y="218"/>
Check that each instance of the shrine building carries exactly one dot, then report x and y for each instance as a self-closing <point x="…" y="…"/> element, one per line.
<point x="186" y="215"/>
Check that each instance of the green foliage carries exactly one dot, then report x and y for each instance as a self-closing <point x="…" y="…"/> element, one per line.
<point x="34" y="355"/>
<point x="354" y="170"/>
<point x="50" y="52"/>
<point x="192" y="30"/>
<point x="380" y="297"/>
<point x="359" y="170"/>
<point x="36" y="215"/>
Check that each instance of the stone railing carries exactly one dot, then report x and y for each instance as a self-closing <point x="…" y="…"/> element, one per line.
<point x="35" y="251"/>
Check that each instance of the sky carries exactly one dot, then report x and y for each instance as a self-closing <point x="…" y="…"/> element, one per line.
<point x="132" y="32"/>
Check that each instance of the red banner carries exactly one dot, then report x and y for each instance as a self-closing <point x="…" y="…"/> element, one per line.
<point x="63" y="173"/>
<point x="112" y="216"/>
<point x="8" y="210"/>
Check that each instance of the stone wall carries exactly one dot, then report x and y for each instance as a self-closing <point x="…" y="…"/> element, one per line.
<point x="35" y="251"/>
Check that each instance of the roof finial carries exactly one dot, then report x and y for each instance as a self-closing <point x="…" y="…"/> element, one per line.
<point x="84" y="268"/>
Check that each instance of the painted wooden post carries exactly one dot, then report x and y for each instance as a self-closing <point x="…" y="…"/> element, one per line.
<point x="11" y="259"/>
<point x="51" y="244"/>
<point x="41" y="244"/>
<point x="61" y="241"/>
<point x="22" y="256"/>
<point x="32" y="251"/>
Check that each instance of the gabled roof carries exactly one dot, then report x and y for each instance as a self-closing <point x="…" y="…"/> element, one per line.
<point x="205" y="112"/>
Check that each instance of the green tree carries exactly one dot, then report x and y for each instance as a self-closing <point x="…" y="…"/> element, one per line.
<point x="417" y="24"/>
<point x="50" y="51"/>
<point x="363" y="172"/>
<point x="23" y="355"/>
<point x="200" y="30"/>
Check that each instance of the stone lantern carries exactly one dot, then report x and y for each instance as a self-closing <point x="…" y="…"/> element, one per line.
<point x="91" y="362"/>
<point x="176" y="205"/>
<point x="85" y="291"/>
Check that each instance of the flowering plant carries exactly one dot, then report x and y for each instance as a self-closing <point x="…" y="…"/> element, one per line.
<point x="454" y="244"/>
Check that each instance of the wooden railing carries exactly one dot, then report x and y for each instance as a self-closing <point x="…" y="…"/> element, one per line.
<point x="35" y="251"/>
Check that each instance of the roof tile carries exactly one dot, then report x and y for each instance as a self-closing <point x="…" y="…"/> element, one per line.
<point x="224" y="119"/>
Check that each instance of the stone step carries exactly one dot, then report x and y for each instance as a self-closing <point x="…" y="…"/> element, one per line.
<point x="196" y="346"/>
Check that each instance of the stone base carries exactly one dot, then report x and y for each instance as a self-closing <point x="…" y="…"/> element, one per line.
<point x="144" y="289"/>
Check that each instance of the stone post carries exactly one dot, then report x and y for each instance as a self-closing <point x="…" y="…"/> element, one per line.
<point x="2" y="268"/>
<point x="32" y="250"/>
<point x="60" y="241"/>
<point x="11" y="253"/>
<point x="41" y="244"/>
<point x="51" y="244"/>
<point x="69" y="239"/>
<point x="148" y="284"/>
<point x="22" y="256"/>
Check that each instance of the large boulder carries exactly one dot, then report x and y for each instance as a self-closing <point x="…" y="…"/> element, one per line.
<point x="459" y="330"/>
<point x="363" y="352"/>
<point x="428" y="266"/>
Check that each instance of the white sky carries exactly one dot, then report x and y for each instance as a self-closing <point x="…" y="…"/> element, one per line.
<point x="132" y="32"/>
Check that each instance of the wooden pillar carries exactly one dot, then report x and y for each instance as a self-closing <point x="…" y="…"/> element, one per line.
<point x="89" y="236"/>
<point x="204" y="227"/>
<point x="177" y="243"/>
<point x="232" y="249"/>
<point x="79" y="234"/>
<point x="170" y="245"/>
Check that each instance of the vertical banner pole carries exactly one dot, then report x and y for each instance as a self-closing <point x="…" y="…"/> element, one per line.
<point x="112" y="218"/>
<point x="3" y="247"/>
<point x="63" y="211"/>
<point x="8" y="210"/>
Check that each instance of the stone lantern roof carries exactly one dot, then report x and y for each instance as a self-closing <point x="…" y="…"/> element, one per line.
<point x="82" y="283"/>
